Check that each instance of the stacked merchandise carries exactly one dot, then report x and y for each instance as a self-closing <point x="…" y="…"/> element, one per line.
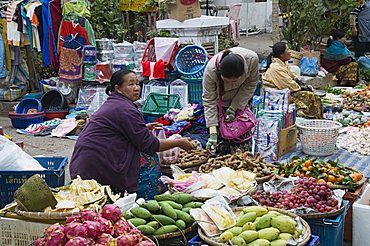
<point x="124" y="56"/>
<point x="139" y="48"/>
<point x="89" y="60"/>
<point x="105" y="54"/>
<point x="275" y="117"/>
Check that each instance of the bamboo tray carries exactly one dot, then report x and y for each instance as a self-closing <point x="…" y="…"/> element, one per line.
<point x="180" y="237"/>
<point x="306" y="230"/>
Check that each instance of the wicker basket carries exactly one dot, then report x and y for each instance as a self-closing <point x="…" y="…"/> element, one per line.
<point x="306" y="230"/>
<point x="176" y="238"/>
<point x="318" y="137"/>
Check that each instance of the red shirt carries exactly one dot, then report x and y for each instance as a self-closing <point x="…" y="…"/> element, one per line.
<point x="68" y="28"/>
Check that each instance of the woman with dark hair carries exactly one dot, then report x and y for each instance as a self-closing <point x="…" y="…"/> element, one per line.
<point x="108" y="149"/>
<point x="231" y="75"/>
<point x="339" y="60"/>
<point x="279" y="76"/>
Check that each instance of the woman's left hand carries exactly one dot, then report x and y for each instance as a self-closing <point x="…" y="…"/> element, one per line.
<point x="152" y="126"/>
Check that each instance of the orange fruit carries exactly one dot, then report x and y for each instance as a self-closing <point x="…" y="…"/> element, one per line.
<point x="321" y="181"/>
<point x="304" y="169"/>
<point x="310" y="168"/>
<point x="331" y="179"/>
<point x="307" y="163"/>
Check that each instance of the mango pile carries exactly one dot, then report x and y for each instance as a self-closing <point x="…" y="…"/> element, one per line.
<point x="165" y="214"/>
<point x="256" y="226"/>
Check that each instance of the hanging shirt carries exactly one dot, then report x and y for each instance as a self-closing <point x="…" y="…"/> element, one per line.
<point x="49" y="52"/>
<point x="69" y="27"/>
<point x="80" y="7"/>
<point x="34" y="23"/>
<point x="74" y="42"/>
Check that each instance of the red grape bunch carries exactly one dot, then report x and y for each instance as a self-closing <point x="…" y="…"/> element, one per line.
<point x="306" y="193"/>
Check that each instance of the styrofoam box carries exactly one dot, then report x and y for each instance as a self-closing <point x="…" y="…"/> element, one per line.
<point x="182" y="91"/>
<point x="360" y="220"/>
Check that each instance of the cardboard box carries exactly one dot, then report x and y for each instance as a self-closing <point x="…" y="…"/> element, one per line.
<point x="288" y="140"/>
<point x="183" y="9"/>
<point x="360" y="220"/>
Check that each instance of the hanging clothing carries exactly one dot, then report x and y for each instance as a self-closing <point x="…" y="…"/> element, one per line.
<point x="56" y="16"/>
<point x="31" y="15"/>
<point x="80" y="7"/>
<point x="72" y="16"/>
<point x="71" y="28"/>
<point x="49" y="52"/>
<point x="3" y="72"/>
<point x="70" y="69"/>
<point x="6" y="46"/>
<point x="40" y="26"/>
<point x="74" y="42"/>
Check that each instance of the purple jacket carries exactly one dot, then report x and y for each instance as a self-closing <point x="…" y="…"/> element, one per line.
<point x="109" y="147"/>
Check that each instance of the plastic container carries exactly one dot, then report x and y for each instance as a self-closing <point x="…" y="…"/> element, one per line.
<point x="360" y="220"/>
<point x="159" y="104"/>
<point x="54" y="100"/>
<point x="191" y="61"/>
<point x="195" y="89"/>
<point x="20" y="232"/>
<point x="22" y="121"/>
<point x="318" y="137"/>
<point x="54" y="176"/>
<point x="294" y="68"/>
<point x="330" y="231"/>
<point x="195" y="241"/>
<point x="27" y="104"/>
<point x="314" y="241"/>
<point x="351" y="197"/>
<point x="181" y="89"/>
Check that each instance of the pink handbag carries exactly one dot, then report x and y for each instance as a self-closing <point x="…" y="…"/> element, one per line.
<point x="239" y="130"/>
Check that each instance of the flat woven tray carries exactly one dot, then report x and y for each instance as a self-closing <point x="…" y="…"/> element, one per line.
<point x="176" y="238"/>
<point x="323" y="215"/>
<point x="51" y="215"/>
<point x="306" y="231"/>
<point x="334" y="186"/>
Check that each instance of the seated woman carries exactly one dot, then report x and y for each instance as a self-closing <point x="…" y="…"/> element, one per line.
<point x="339" y="60"/>
<point x="279" y="76"/>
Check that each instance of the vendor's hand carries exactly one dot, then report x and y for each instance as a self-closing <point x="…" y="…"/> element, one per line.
<point x="186" y="144"/>
<point x="230" y="114"/>
<point x="212" y="141"/>
<point x="354" y="31"/>
<point x="152" y="126"/>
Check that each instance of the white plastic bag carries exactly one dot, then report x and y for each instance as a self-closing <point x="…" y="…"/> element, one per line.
<point x="13" y="158"/>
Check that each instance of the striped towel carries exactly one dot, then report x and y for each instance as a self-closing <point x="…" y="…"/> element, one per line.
<point x="349" y="159"/>
<point x="35" y="128"/>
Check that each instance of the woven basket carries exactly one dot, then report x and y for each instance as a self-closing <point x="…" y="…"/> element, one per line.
<point x="306" y="230"/>
<point x="176" y="238"/>
<point x="52" y="215"/>
<point x="318" y="137"/>
<point x="323" y="215"/>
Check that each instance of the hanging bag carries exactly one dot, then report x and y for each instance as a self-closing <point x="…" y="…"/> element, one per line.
<point x="240" y="129"/>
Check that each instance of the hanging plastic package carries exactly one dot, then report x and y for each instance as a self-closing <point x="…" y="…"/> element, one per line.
<point x="89" y="72"/>
<point x="309" y="66"/>
<point x="89" y="54"/>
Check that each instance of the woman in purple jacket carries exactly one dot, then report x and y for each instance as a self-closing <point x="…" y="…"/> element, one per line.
<point x="108" y="149"/>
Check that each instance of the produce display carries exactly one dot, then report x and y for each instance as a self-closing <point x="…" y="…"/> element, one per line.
<point x="167" y="213"/>
<point x="359" y="100"/>
<point x="307" y="193"/>
<point x="237" y="161"/>
<point x="192" y="157"/>
<point x="330" y="172"/>
<point x="350" y="118"/>
<point x="80" y="194"/>
<point x="355" y="140"/>
<point x="91" y="228"/>
<point x="223" y="181"/>
<point x="335" y="91"/>
<point x="257" y="225"/>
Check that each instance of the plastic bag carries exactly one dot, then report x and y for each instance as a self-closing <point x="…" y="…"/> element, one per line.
<point x="13" y="158"/>
<point x="309" y="66"/>
<point x="99" y="98"/>
<point x="364" y="64"/>
<point x="171" y="155"/>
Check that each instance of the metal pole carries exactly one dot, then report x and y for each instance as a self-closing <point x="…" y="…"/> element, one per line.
<point x="206" y="7"/>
